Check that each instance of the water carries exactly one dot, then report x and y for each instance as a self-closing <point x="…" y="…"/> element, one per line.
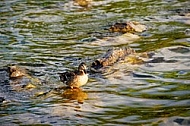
<point x="48" y="37"/>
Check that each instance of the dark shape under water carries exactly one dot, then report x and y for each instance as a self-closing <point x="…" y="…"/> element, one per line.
<point x="110" y="57"/>
<point x="127" y="27"/>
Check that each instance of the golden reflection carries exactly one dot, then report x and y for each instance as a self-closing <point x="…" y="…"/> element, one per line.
<point x="65" y="93"/>
<point x="134" y="60"/>
<point x="75" y="94"/>
<point x="137" y="58"/>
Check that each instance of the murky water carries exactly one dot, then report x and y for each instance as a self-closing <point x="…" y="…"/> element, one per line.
<point x="48" y="37"/>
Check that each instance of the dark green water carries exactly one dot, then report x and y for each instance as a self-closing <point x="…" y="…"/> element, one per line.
<point x="47" y="37"/>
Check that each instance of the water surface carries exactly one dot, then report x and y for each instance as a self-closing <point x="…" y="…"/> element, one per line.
<point x="48" y="37"/>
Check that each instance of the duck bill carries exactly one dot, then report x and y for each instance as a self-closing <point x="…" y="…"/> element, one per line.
<point x="85" y="71"/>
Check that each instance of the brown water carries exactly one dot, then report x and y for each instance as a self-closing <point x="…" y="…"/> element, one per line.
<point x="48" y="37"/>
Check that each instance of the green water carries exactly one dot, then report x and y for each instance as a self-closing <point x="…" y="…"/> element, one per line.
<point x="47" y="37"/>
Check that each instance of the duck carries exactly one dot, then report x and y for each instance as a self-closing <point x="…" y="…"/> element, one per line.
<point x="77" y="78"/>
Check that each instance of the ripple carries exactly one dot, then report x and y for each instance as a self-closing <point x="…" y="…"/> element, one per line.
<point x="51" y="37"/>
<point x="44" y="18"/>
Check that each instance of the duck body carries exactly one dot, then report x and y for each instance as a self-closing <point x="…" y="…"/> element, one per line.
<point x="75" y="79"/>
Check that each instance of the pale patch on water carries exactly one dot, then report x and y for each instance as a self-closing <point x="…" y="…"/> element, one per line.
<point x="174" y="60"/>
<point x="123" y="39"/>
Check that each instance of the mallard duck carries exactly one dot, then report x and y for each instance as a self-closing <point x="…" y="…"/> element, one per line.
<point x="75" y="79"/>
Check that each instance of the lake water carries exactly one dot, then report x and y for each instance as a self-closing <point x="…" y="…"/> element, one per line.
<point x="49" y="37"/>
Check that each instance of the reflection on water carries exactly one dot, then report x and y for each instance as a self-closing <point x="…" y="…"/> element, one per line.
<point x="47" y="37"/>
<point x="75" y="94"/>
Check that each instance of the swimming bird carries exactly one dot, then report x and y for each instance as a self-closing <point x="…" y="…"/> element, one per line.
<point x="77" y="78"/>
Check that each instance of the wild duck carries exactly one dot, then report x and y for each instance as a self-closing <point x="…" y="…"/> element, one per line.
<point x="75" y="79"/>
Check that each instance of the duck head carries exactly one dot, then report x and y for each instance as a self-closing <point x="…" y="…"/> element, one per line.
<point x="82" y="67"/>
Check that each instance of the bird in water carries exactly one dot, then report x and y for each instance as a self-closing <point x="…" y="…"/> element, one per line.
<point x="77" y="78"/>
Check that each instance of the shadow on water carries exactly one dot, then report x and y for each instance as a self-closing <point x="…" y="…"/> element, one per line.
<point x="49" y="37"/>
